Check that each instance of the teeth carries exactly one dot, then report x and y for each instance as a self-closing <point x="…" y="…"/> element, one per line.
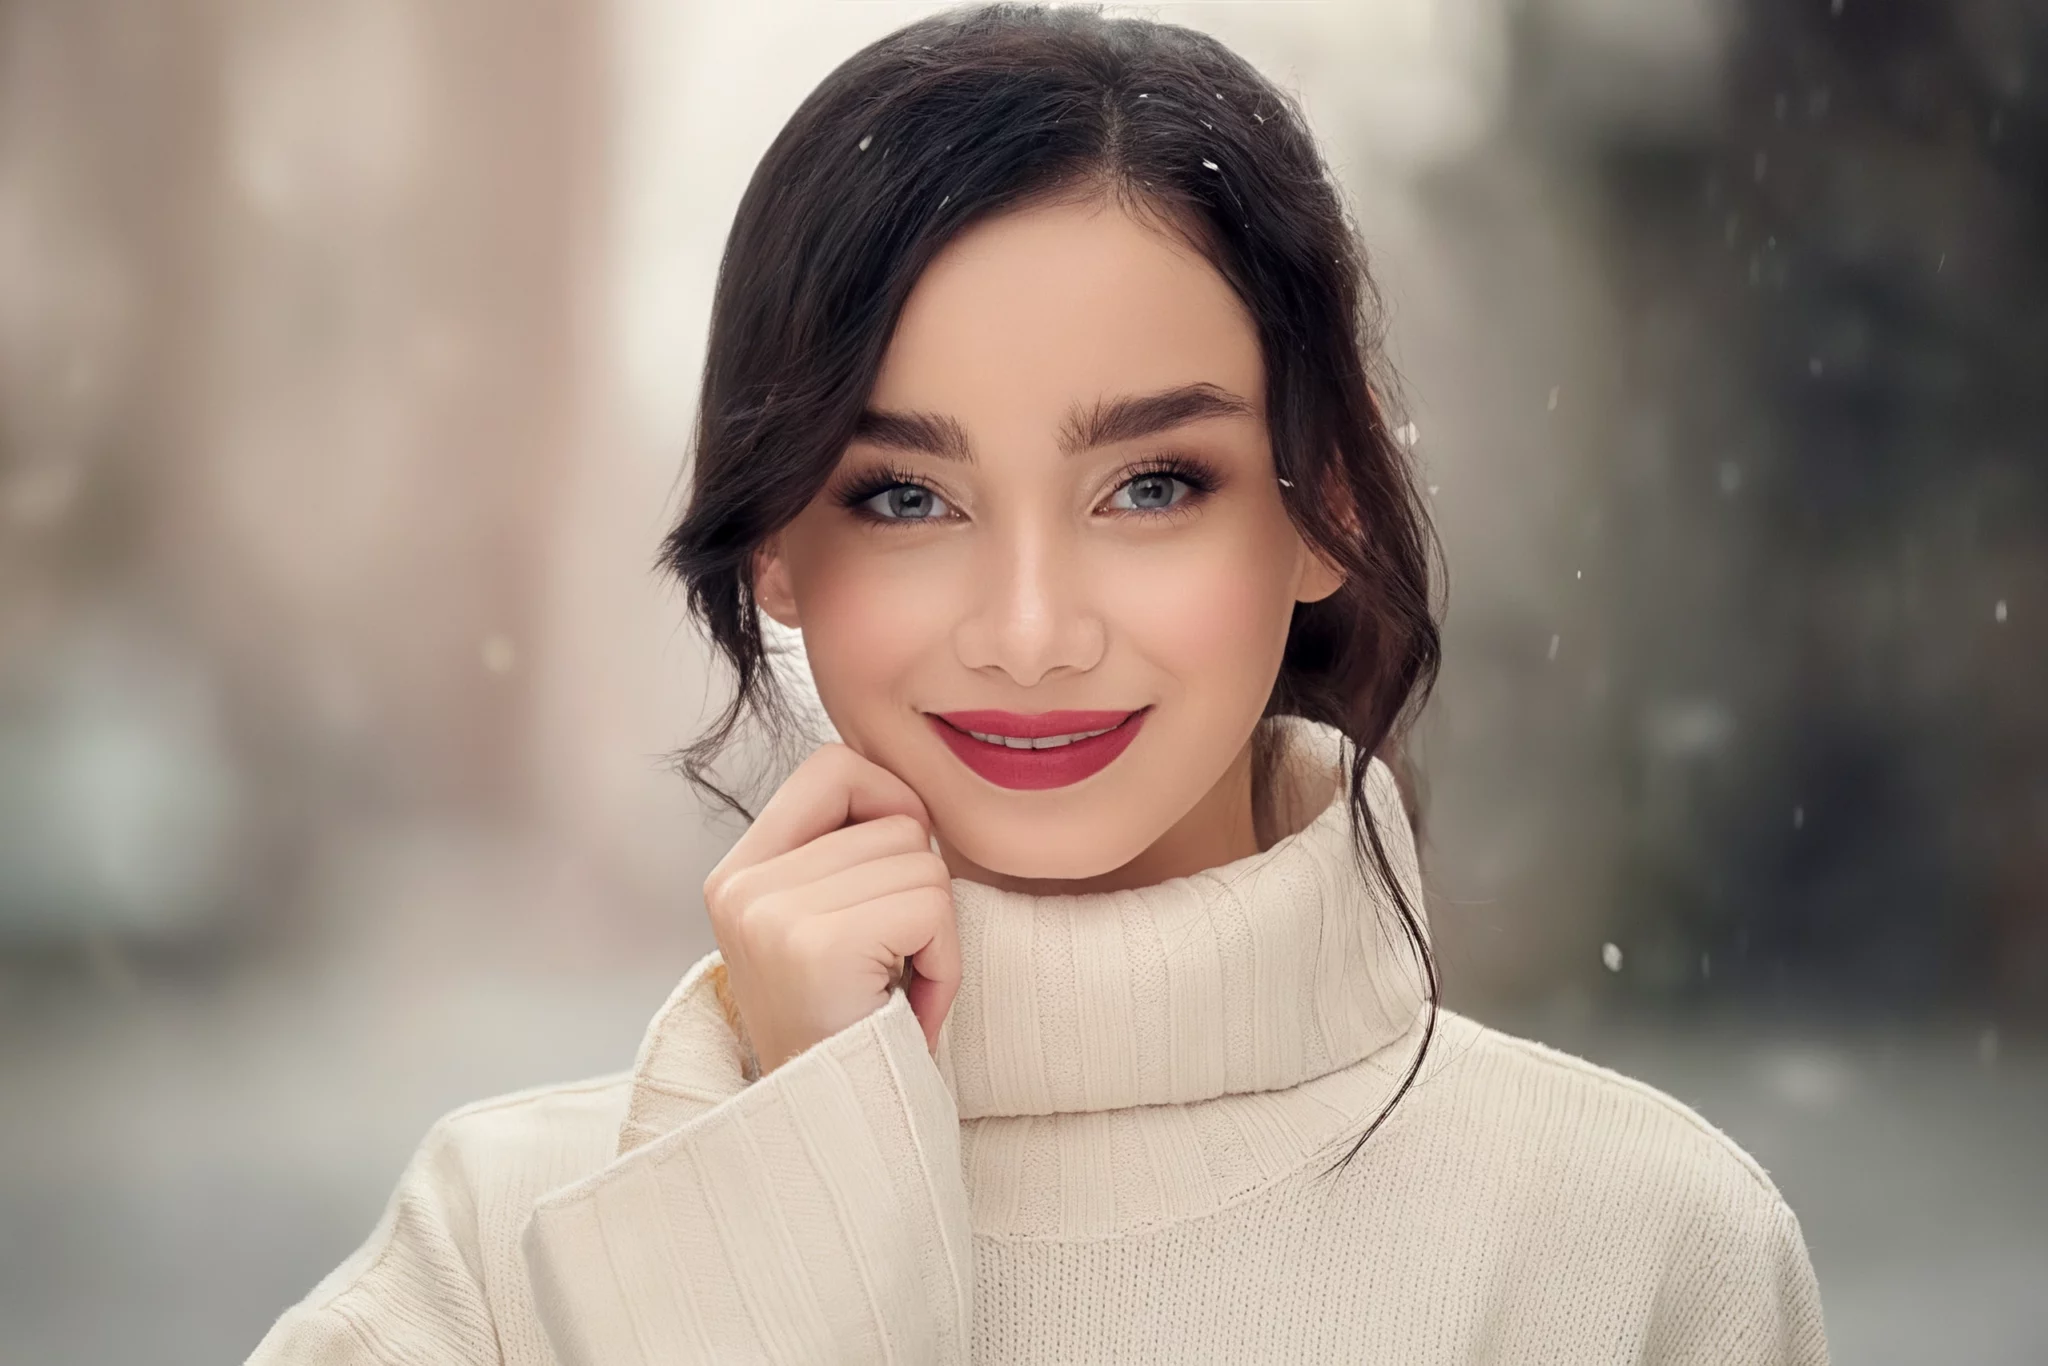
<point x="1049" y="742"/>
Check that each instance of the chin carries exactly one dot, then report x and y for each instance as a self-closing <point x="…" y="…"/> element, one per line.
<point x="1054" y="855"/>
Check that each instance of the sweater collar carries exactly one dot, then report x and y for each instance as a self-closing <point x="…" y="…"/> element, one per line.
<point x="1255" y="975"/>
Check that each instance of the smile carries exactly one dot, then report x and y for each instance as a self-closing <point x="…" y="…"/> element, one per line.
<point x="1028" y="752"/>
<point x="1049" y="742"/>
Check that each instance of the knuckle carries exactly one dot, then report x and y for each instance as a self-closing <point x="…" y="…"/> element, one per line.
<point x="715" y="909"/>
<point x="725" y="892"/>
<point x="836" y="756"/>
<point x="820" y="767"/>
<point x="714" y="884"/>
<point x="738" y="886"/>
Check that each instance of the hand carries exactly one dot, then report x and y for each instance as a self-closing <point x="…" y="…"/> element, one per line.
<point x="823" y="899"/>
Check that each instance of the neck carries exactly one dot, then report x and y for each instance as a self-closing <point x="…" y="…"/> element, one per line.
<point x="1219" y="829"/>
<point x="1253" y="975"/>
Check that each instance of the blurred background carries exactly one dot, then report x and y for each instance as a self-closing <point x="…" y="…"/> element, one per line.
<point x="347" y="361"/>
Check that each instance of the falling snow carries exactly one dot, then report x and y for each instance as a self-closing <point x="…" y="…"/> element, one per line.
<point x="1210" y="164"/>
<point x="865" y="141"/>
<point x="1610" y="954"/>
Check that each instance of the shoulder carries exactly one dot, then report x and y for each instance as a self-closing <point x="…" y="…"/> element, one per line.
<point x="1584" y="1175"/>
<point x="535" y="1132"/>
<point x="1597" y="1165"/>
<point x="507" y="1149"/>
<point x="1569" y="1108"/>
<point x="443" y="1252"/>
<point x="498" y="1155"/>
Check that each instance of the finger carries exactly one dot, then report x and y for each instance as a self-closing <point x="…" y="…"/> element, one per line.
<point x="850" y="889"/>
<point x="836" y="851"/>
<point x="919" y="925"/>
<point x="879" y="878"/>
<point x="930" y="1001"/>
<point x="829" y="789"/>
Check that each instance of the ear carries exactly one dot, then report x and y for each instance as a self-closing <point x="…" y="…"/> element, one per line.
<point x="772" y="588"/>
<point x="1316" y="578"/>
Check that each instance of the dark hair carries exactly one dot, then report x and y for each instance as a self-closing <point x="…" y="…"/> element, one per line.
<point x="974" y="112"/>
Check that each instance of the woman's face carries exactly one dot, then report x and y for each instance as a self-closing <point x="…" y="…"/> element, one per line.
<point x="1010" y="533"/>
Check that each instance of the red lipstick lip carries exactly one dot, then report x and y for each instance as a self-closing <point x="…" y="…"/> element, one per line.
<point x="1037" y="769"/>
<point x="1034" y="725"/>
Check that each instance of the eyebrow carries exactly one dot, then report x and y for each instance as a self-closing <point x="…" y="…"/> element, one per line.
<point x="1104" y="423"/>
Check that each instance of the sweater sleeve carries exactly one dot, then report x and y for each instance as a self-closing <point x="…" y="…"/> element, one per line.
<point x="817" y="1215"/>
<point x="1744" y="1295"/>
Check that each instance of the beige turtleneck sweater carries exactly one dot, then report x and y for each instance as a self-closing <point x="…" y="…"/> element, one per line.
<point x="1116" y="1155"/>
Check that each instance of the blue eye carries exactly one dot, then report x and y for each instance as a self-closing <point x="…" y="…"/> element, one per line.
<point x="903" y="503"/>
<point x="1153" y="491"/>
<point x="892" y="497"/>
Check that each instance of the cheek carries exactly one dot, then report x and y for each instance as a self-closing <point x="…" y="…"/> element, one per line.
<point x="867" y="619"/>
<point x="1219" y="610"/>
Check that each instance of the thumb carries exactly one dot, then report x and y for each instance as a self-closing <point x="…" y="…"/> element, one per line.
<point x="930" y="999"/>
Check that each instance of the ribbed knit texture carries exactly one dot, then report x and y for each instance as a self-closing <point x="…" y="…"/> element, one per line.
<point x="1117" y="1155"/>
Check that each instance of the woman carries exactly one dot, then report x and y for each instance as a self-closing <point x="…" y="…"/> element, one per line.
<point x="1075" y="1003"/>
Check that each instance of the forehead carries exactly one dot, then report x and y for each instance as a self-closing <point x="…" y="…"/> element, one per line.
<point x="1023" y="314"/>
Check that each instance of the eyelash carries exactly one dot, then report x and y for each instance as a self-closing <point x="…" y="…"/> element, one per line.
<point x="1200" y="477"/>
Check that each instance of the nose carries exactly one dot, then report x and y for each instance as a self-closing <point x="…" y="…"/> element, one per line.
<point x="1030" y="612"/>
